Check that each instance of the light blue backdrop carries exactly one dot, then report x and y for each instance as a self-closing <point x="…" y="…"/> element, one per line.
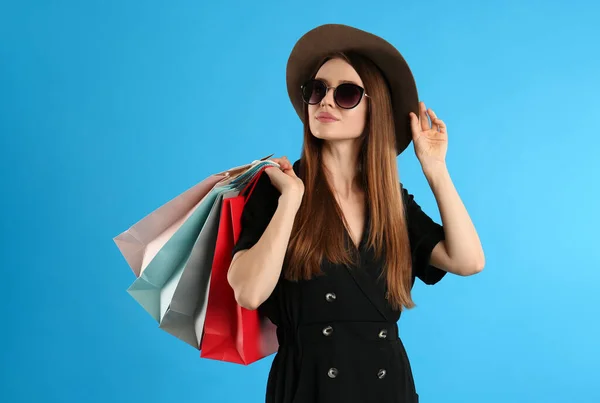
<point x="108" y="109"/>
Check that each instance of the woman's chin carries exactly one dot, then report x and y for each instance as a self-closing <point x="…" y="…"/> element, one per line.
<point x="333" y="135"/>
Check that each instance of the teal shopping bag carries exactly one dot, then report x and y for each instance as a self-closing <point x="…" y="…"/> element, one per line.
<point x="147" y="287"/>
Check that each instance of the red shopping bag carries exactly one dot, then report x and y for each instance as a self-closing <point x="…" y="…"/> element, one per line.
<point x="232" y="333"/>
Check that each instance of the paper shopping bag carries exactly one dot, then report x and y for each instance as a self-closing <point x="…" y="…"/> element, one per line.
<point x="233" y="333"/>
<point x="146" y="289"/>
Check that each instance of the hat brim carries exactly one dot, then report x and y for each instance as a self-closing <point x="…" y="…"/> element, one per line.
<point x="316" y="44"/>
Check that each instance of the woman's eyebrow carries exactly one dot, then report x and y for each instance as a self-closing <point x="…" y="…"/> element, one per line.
<point x="341" y="81"/>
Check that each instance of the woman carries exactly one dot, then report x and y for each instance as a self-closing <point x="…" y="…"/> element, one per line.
<point x="331" y="245"/>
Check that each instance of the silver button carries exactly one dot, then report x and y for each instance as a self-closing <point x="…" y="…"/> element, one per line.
<point x="381" y="373"/>
<point x="332" y="373"/>
<point x="327" y="331"/>
<point x="383" y="334"/>
<point x="330" y="297"/>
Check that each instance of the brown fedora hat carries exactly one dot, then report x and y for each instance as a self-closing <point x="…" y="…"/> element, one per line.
<point x="321" y="41"/>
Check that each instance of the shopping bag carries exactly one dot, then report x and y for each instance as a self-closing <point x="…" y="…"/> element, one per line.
<point x="186" y="291"/>
<point x="146" y="289"/>
<point x="232" y="333"/>
<point x="180" y="295"/>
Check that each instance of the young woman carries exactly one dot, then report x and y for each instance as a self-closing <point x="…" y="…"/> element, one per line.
<point x="331" y="245"/>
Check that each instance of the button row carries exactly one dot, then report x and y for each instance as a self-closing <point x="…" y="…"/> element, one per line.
<point x="333" y="373"/>
<point x="328" y="331"/>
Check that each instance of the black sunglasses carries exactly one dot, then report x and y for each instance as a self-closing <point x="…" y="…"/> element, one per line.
<point x="346" y="95"/>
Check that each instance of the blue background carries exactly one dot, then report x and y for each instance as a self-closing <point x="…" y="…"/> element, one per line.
<point x="109" y="109"/>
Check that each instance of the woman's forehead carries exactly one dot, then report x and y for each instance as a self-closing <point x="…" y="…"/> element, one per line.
<point x="337" y="71"/>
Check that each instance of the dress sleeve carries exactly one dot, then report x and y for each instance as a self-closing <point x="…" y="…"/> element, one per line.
<point x="258" y="211"/>
<point x="423" y="234"/>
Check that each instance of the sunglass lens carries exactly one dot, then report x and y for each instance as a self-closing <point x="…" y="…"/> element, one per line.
<point x="348" y="95"/>
<point x="313" y="92"/>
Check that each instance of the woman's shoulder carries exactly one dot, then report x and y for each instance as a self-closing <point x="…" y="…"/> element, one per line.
<point x="264" y="189"/>
<point x="296" y="167"/>
<point x="259" y="208"/>
<point x="264" y="193"/>
<point x="406" y="196"/>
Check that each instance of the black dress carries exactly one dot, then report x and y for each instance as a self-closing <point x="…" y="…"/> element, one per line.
<point x="338" y="336"/>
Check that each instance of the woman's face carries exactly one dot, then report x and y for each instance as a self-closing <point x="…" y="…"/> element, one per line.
<point x="327" y="121"/>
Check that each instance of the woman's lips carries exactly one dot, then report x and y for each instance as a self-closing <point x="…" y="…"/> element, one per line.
<point x="326" y="117"/>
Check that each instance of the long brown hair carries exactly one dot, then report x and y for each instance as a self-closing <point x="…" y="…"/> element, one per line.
<point x="319" y="228"/>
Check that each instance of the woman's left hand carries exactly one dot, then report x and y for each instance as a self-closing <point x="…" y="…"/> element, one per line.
<point x="430" y="139"/>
